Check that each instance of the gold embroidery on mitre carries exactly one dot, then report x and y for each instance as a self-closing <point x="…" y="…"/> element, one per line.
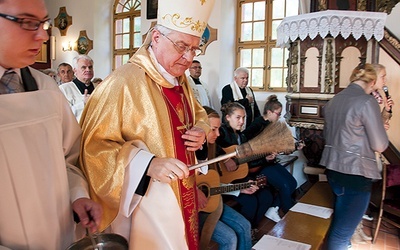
<point x="188" y="21"/>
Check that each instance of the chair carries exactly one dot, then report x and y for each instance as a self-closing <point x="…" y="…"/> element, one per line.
<point x="388" y="201"/>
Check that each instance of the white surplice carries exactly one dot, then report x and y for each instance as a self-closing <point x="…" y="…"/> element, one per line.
<point x="75" y="98"/>
<point x="39" y="147"/>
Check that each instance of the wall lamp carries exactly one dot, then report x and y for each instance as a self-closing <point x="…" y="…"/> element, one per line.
<point x="67" y="46"/>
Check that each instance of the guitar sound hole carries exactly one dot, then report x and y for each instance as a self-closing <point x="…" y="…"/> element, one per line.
<point x="205" y="190"/>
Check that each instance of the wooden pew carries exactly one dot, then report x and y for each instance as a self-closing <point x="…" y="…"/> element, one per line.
<point x="306" y="228"/>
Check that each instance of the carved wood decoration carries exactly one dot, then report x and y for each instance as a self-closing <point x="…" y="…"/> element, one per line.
<point x="323" y="49"/>
<point x="305" y="45"/>
<point x="341" y="44"/>
<point x="63" y="21"/>
<point x="391" y="45"/>
<point x="315" y="142"/>
<point x="385" y="5"/>
<point x="329" y="64"/>
<point x="292" y="80"/>
<point x="360" y="5"/>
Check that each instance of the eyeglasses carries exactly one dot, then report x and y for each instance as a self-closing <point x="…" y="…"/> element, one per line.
<point x="182" y="49"/>
<point x="28" y="23"/>
<point x="278" y="114"/>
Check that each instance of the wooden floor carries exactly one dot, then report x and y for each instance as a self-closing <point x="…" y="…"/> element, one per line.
<point x="388" y="238"/>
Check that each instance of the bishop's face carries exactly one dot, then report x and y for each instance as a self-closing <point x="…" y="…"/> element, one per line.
<point x="174" y="51"/>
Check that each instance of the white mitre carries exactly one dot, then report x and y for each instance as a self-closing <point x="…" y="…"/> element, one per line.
<point x="186" y="16"/>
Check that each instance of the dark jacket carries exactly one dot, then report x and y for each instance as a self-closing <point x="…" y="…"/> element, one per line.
<point x="227" y="96"/>
<point x="256" y="127"/>
<point x="228" y="138"/>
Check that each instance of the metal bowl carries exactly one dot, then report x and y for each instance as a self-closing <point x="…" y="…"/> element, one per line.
<point x="103" y="242"/>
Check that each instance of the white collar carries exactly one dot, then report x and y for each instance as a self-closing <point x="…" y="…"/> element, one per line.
<point x="170" y="78"/>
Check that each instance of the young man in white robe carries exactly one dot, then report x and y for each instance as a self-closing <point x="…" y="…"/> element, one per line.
<point x="40" y="186"/>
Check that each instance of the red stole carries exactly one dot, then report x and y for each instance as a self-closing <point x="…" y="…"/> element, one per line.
<point x="182" y="120"/>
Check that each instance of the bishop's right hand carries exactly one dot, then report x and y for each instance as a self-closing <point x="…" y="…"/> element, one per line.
<point x="167" y="169"/>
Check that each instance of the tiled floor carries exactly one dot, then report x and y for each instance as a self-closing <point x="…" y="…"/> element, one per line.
<point x="388" y="237"/>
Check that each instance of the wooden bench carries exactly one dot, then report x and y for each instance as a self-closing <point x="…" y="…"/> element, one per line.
<point x="306" y="228"/>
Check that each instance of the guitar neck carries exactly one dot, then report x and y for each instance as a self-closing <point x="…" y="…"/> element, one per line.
<point x="230" y="188"/>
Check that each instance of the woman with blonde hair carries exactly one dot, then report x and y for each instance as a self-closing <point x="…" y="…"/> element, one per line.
<point x="353" y="132"/>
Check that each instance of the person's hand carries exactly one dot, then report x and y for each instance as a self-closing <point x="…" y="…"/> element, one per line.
<point x="201" y="199"/>
<point x="230" y="165"/>
<point x="250" y="98"/>
<point x="389" y="103"/>
<point x="89" y="213"/>
<point x="194" y="138"/>
<point x="386" y="125"/>
<point x="85" y="96"/>
<point x="271" y="157"/>
<point x="167" y="169"/>
<point x="251" y="190"/>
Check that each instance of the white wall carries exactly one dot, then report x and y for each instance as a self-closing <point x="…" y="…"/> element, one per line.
<point x="94" y="16"/>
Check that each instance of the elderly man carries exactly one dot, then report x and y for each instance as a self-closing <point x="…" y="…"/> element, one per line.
<point x="237" y="91"/>
<point x="140" y="130"/>
<point x="65" y="73"/>
<point x="39" y="141"/>
<point x="198" y="86"/>
<point x="79" y="90"/>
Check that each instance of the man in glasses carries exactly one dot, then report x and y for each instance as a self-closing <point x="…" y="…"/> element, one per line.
<point x="39" y="141"/>
<point x="141" y="128"/>
<point x="198" y="86"/>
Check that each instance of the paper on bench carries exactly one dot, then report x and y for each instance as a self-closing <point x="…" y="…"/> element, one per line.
<point x="318" y="211"/>
<point x="268" y="242"/>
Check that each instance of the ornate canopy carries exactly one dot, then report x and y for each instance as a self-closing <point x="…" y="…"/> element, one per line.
<point x="333" y="22"/>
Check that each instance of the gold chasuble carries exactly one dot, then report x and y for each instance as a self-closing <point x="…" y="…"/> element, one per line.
<point x="133" y="115"/>
<point x="182" y="120"/>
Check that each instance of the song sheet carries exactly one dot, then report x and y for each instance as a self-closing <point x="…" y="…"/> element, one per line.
<point x="318" y="211"/>
<point x="268" y="242"/>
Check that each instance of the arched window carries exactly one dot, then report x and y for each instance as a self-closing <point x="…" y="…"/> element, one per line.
<point x="256" y="30"/>
<point x="126" y="30"/>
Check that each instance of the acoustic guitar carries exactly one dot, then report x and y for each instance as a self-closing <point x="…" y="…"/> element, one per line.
<point x="229" y="176"/>
<point x="209" y="184"/>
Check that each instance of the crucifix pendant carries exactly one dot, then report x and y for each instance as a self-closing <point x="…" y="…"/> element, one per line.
<point x="184" y="127"/>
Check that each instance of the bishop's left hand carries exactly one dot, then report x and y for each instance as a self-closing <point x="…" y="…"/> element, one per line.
<point x="194" y="138"/>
